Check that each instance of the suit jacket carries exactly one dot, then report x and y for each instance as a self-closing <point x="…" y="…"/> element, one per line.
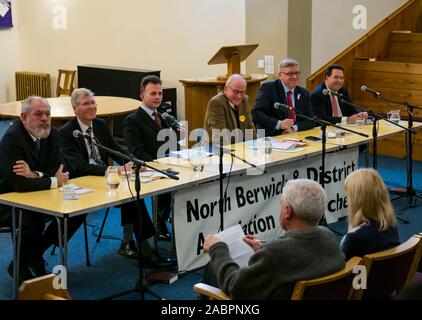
<point x="17" y="144"/>
<point x="321" y="104"/>
<point x="265" y="116"/>
<point x="220" y="116"/>
<point x="75" y="152"/>
<point x="141" y="135"/>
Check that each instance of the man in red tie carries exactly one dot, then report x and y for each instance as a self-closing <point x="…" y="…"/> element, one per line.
<point x="269" y="113"/>
<point x="328" y="107"/>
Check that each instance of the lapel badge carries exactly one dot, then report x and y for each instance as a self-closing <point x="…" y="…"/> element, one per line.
<point x="242" y="118"/>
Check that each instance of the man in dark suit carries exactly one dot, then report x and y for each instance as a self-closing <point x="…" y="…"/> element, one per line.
<point x="141" y="130"/>
<point x="285" y="90"/>
<point x="328" y="107"/>
<point x="83" y="158"/>
<point x="30" y="161"/>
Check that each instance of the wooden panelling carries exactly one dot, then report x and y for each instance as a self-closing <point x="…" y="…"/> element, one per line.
<point x="398" y="81"/>
<point x="396" y="146"/>
<point x="375" y="43"/>
<point x="406" y="45"/>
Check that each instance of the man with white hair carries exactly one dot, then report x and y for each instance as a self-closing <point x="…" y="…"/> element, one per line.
<point x="228" y="114"/>
<point x="305" y="251"/>
<point x="30" y="161"/>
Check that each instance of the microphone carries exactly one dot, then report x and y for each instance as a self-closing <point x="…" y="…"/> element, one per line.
<point x="331" y="93"/>
<point x="366" y="89"/>
<point x="79" y="134"/>
<point x="281" y="106"/>
<point x="171" y="121"/>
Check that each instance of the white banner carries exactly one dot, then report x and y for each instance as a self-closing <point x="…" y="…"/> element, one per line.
<point x="254" y="203"/>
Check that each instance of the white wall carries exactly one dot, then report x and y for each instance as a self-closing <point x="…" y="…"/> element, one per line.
<point x="9" y="58"/>
<point x="177" y="37"/>
<point x="332" y="29"/>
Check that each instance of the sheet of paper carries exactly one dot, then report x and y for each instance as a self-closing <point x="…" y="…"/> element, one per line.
<point x="239" y="250"/>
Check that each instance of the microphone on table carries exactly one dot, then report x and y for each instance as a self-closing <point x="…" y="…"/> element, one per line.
<point x="366" y="89"/>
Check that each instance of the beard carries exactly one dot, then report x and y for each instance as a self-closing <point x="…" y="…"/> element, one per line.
<point x="40" y="133"/>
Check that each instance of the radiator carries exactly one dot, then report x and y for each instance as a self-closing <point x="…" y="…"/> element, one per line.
<point x="32" y="84"/>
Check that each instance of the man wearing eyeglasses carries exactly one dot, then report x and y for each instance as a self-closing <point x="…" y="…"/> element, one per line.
<point x="83" y="158"/>
<point x="228" y="114"/>
<point x="277" y="119"/>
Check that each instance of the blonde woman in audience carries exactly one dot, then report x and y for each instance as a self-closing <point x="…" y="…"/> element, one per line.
<point x="372" y="222"/>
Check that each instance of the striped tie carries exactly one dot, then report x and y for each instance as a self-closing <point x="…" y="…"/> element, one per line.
<point x="92" y="151"/>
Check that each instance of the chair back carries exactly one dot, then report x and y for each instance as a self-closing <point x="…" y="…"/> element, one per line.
<point x="42" y="288"/>
<point x="390" y="270"/>
<point x="336" y="286"/>
<point x="65" y="82"/>
<point x="211" y="292"/>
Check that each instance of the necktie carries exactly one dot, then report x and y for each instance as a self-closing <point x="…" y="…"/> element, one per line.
<point x="157" y="119"/>
<point x="335" y="107"/>
<point x="290" y="104"/>
<point x="38" y="143"/>
<point x="92" y="151"/>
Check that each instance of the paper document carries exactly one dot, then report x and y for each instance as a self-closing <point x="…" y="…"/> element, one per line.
<point x="239" y="250"/>
<point x="186" y="154"/>
<point x="77" y="190"/>
<point x="287" y="144"/>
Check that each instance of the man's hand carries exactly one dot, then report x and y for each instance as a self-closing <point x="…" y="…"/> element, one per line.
<point x="253" y="241"/>
<point x="287" y="124"/>
<point x="210" y="240"/>
<point x="62" y="177"/>
<point x="126" y="168"/>
<point x="21" y="168"/>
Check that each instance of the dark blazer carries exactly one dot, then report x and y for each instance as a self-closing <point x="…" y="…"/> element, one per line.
<point x="17" y="144"/>
<point x="265" y="116"/>
<point x="75" y="152"/>
<point x="321" y="104"/>
<point x="141" y="133"/>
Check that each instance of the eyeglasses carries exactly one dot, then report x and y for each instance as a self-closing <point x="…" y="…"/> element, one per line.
<point x="237" y="91"/>
<point x="89" y="103"/>
<point x="292" y="74"/>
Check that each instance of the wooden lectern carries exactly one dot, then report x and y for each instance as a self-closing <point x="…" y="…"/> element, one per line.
<point x="233" y="56"/>
<point x="198" y="92"/>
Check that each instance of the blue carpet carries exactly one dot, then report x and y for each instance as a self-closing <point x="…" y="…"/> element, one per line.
<point x="111" y="273"/>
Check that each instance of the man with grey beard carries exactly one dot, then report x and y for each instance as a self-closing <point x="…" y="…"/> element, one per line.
<point x="30" y="161"/>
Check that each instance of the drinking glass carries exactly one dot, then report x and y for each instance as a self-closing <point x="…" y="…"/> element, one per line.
<point x="394" y="116"/>
<point x="112" y="178"/>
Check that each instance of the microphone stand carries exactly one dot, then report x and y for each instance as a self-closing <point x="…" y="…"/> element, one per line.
<point x="141" y="285"/>
<point x="222" y="150"/>
<point x="324" y="125"/>
<point x="410" y="192"/>
<point x="375" y="117"/>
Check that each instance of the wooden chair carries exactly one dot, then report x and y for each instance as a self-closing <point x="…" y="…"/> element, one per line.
<point x="41" y="288"/>
<point x="335" y="286"/>
<point x="212" y="292"/>
<point x="390" y="270"/>
<point x="68" y="82"/>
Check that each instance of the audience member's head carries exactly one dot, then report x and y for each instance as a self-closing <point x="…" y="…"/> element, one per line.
<point x="303" y="204"/>
<point x="36" y="117"/>
<point x="84" y="105"/>
<point x="368" y="198"/>
<point x="289" y="73"/>
<point x="334" y="77"/>
<point x="235" y="89"/>
<point x="151" y="92"/>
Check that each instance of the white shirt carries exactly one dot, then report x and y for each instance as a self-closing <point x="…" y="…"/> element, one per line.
<point x="84" y="128"/>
